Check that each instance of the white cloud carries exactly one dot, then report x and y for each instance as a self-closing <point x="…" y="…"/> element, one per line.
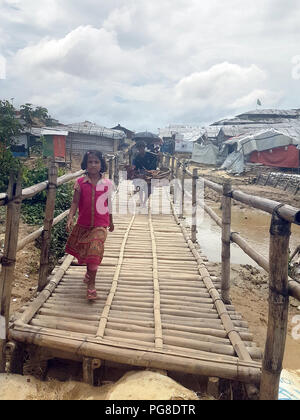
<point x="149" y="63"/>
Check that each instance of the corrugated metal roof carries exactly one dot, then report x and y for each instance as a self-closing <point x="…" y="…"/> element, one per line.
<point x="292" y="129"/>
<point x="95" y="130"/>
<point x="182" y="132"/>
<point x="292" y="113"/>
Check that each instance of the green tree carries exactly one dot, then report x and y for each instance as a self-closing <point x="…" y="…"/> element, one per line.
<point x="9" y="125"/>
<point x="9" y="129"/>
<point x="27" y="113"/>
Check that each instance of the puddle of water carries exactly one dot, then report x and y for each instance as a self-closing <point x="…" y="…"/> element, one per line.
<point x="253" y="225"/>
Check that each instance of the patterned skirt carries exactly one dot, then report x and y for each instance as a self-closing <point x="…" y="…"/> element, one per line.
<point x="87" y="244"/>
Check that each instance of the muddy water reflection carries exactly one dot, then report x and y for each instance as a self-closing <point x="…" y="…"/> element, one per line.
<point x="253" y="225"/>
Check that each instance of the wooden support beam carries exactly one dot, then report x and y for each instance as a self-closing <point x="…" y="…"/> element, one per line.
<point x="88" y="367"/>
<point x="14" y="195"/>
<point x="194" y="205"/>
<point x="48" y="222"/>
<point x="110" y="168"/>
<point x="182" y="190"/>
<point x="226" y="235"/>
<point x="278" y="307"/>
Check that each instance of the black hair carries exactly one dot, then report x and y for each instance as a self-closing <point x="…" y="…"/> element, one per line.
<point x="141" y="145"/>
<point x="99" y="155"/>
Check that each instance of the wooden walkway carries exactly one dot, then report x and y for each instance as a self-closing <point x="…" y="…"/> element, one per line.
<point x="159" y="307"/>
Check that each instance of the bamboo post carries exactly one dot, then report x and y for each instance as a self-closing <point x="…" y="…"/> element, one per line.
<point x="172" y="167"/>
<point x="278" y="308"/>
<point x="88" y="367"/>
<point x="194" y="205"/>
<point x="182" y="190"/>
<point x="226" y="233"/>
<point x="269" y="175"/>
<point x="110" y="168"/>
<point x="116" y="170"/>
<point x="48" y="222"/>
<point x="168" y="161"/>
<point x="177" y="168"/>
<point x="14" y="195"/>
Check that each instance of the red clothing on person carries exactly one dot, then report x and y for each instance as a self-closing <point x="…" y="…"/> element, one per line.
<point x="86" y="242"/>
<point x="93" y="203"/>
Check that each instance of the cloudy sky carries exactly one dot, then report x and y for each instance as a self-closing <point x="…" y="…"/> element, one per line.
<point x="147" y="64"/>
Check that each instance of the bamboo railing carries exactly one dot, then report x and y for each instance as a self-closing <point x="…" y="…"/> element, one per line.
<point x="280" y="285"/>
<point x="13" y="201"/>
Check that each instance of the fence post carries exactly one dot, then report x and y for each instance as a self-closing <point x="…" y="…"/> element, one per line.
<point x="116" y="171"/>
<point x="168" y="161"/>
<point x="182" y="189"/>
<point x="110" y="170"/>
<point x="172" y="167"/>
<point x="226" y="234"/>
<point x="177" y="168"/>
<point x="280" y="231"/>
<point x="48" y="221"/>
<point x="14" y="195"/>
<point x="194" y="205"/>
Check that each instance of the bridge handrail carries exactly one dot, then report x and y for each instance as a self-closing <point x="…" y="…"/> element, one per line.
<point x="280" y="285"/>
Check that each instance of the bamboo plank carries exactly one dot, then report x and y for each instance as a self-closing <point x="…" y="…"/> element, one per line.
<point x="104" y="315"/>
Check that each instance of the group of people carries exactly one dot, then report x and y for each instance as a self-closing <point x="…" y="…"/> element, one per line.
<point x="92" y="198"/>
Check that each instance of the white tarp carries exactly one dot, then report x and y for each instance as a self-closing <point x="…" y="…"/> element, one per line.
<point x="53" y="132"/>
<point x="263" y="140"/>
<point x="182" y="133"/>
<point x="234" y="163"/>
<point x="206" y="154"/>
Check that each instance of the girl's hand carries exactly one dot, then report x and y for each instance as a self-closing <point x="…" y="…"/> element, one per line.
<point x="111" y="227"/>
<point x="69" y="225"/>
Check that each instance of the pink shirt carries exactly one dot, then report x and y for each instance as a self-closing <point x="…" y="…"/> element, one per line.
<point x="93" y="203"/>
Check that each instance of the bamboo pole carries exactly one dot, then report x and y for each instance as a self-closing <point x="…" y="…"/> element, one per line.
<point x="48" y="221"/>
<point x="294" y="287"/>
<point x="9" y="257"/>
<point x="156" y="305"/>
<point x="107" y="307"/>
<point x="226" y="230"/>
<point x="234" y="337"/>
<point x="143" y="357"/>
<point x="285" y="211"/>
<point x="278" y="308"/>
<point x="194" y="204"/>
<point x="116" y="170"/>
<point x="182" y="190"/>
<point x="110" y="168"/>
<point x="46" y="292"/>
<point x="173" y="167"/>
<point x="37" y="233"/>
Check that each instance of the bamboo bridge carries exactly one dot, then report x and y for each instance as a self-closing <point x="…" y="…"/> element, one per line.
<point x="160" y="306"/>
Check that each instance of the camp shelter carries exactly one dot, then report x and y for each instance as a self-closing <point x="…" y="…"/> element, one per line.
<point x="183" y="136"/>
<point x="129" y="134"/>
<point x="87" y="136"/>
<point x="269" y="147"/>
<point x="206" y="154"/>
<point x="54" y="143"/>
<point x="20" y="147"/>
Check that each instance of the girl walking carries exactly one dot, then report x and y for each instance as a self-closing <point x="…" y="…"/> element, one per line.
<point x="92" y="196"/>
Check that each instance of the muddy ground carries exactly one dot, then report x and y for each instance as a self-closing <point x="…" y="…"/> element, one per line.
<point x="249" y="292"/>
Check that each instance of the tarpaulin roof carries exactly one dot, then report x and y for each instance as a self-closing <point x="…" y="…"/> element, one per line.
<point x="206" y="154"/>
<point x="263" y="140"/>
<point x="53" y="132"/>
<point x="182" y="132"/>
